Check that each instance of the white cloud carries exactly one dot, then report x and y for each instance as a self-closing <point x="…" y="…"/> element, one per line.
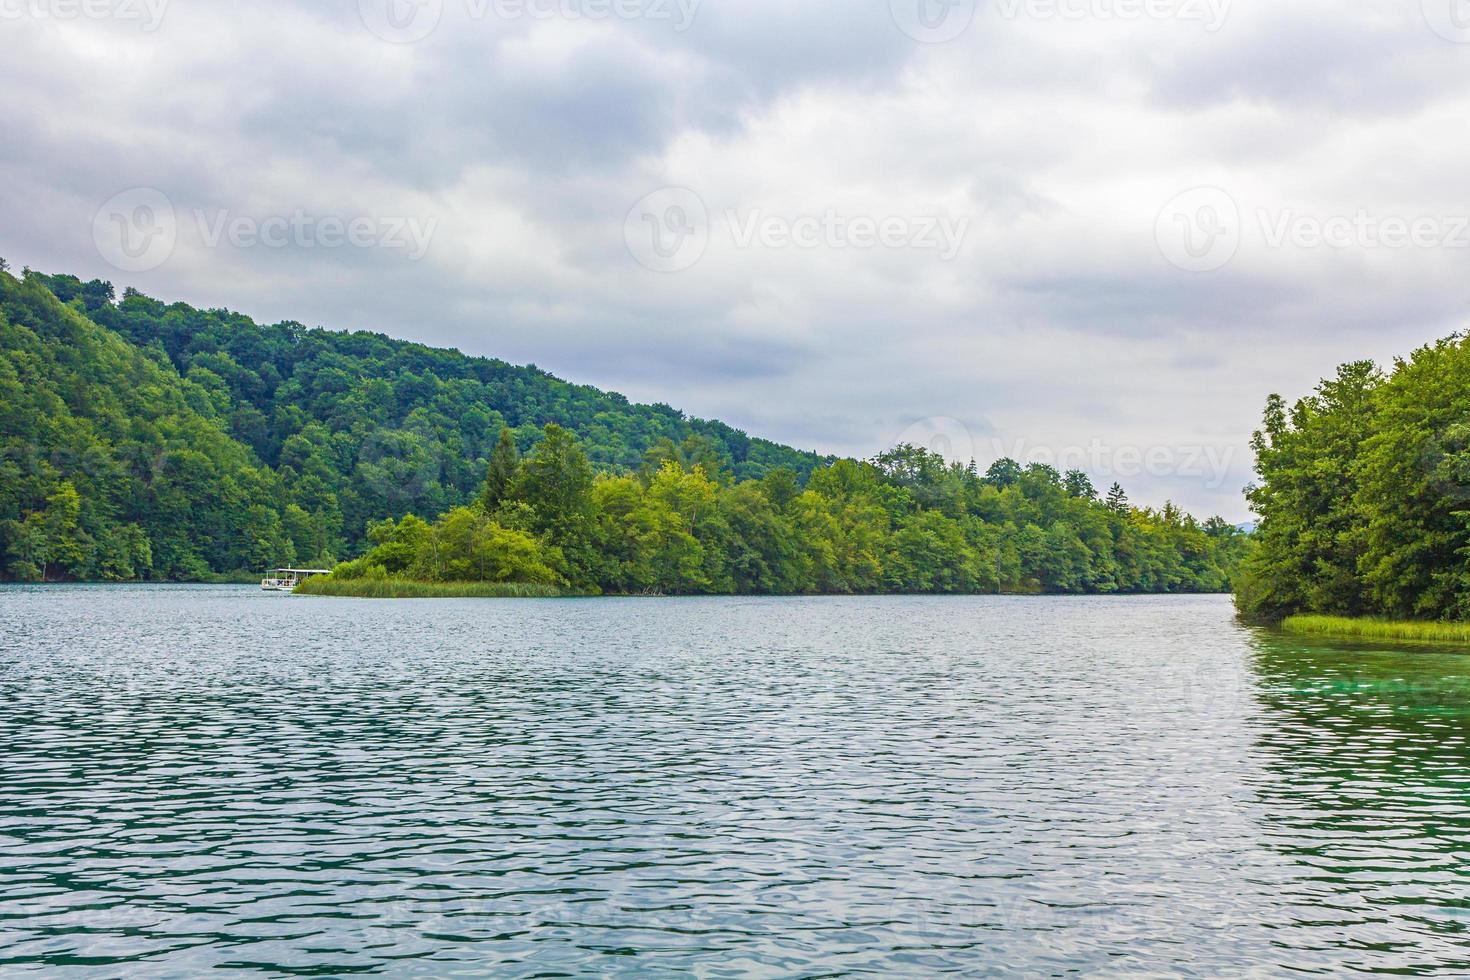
<point x="1058" y="324"/>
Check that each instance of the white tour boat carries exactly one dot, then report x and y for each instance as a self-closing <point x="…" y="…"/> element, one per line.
<point x="286" y="579"/>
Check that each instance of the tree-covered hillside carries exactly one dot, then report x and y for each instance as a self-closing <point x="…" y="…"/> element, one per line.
<point x="361" y="427"/>
<point x="113" y="466"/>
<point x="144" y="440"/>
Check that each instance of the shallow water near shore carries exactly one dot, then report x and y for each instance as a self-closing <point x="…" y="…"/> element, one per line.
<point x="217" y="777"/>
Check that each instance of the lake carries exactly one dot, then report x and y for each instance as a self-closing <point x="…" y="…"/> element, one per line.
<point x="216" y="777"/>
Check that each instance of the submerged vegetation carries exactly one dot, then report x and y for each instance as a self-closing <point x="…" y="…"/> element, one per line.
<point x="1377" y="629"/>
<point x="1364" y="497"/>
<point x="152" y="441"/>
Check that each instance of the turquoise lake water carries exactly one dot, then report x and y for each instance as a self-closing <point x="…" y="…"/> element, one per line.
<point x="219" y="779"/>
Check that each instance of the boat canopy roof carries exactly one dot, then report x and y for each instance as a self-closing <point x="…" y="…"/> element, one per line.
<point x="303" y="571"/>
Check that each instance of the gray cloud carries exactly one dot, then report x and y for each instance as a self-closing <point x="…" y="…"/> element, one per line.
<point x="1060" y="324"/>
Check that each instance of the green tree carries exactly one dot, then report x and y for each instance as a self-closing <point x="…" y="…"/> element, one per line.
<point x="1313" y="532"/>
<point x="65" y="545"/>
<point x="504" y="462"/>
<point x="781" y="487"/>
<point x="1078" y="485"/>
<point x="555" y="480"/>
<point x="1117" y="501"/>
<point x="1003" y="472"/>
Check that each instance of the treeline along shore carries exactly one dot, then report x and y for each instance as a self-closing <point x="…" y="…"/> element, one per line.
<point x="1364" y="502"/>
<point x="153" y="441"/>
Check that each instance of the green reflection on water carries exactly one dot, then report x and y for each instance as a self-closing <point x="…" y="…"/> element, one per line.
<point x="1366" y="786"/>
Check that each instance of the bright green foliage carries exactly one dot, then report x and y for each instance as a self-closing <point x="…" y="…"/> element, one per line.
<point x="464" y="545"/>
<point x="152" y="441"/>
<point x="467" y="546"/>
<point x="1364" y="494"/>
<point x="51" y="542"/>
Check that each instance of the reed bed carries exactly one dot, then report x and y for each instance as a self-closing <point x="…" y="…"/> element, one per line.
<point x="395" y="588"/>
<point x="1378" y="629"/>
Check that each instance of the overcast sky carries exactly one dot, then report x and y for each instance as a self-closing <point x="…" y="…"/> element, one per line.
<point x="1095" y="232"/>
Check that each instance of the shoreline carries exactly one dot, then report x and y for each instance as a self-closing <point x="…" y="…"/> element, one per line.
<point x="511" y="590"/>
<point x="410" y="589"/>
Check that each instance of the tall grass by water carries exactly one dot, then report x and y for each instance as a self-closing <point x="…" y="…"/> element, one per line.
<point x="1378" y="629"/>
<point x="395" y="588"/>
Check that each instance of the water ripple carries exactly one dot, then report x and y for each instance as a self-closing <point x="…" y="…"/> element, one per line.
<point x="214" y="778"/>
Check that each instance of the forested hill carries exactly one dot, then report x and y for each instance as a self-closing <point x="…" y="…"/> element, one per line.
<point x="429" y="416"/>
<point x="114" y="467"/>
<point x="344" y="428"/>
<point x="154" y="441"/>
